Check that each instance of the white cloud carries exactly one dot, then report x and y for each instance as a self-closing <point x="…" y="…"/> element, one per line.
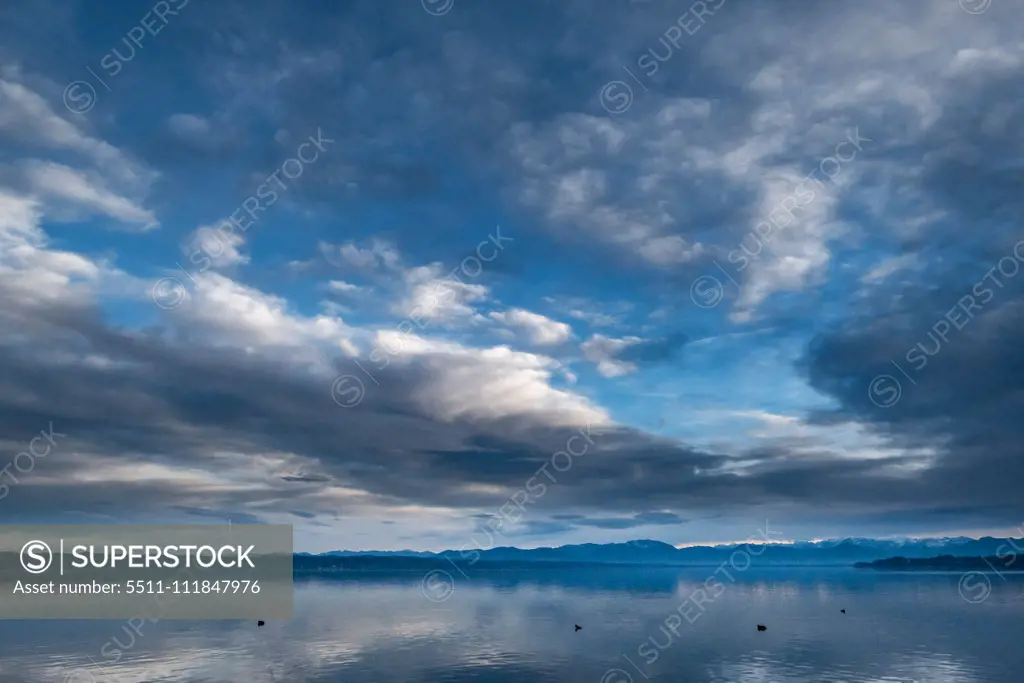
<point x="571" y="170"/>
<point x="31" y="272"/>
<point x="490" y="383"/>
<point x="110" y="183"/>
<point x="992" y="58"/>
<point x="540" y="330"/>
<point x="800" y="439"/>
<point x="379" y="254"/>
<point x="220" y="246"/>
<point x="669" y="250"/>
<point x="28" y="118"/>
<point x="795" y="251"/>
<point x="34" y="274"/>
<point x="594" y="313"/>
<point x="597" y="319"/>
<point x="343" y="287"/>
<point x="236" y="315"/>
<point x="601" y="351"/>
<point x="435" y="298"/>
<point x="190" y="127"/>
<point x="887" y="267"/>
<point x="80" y="190"/>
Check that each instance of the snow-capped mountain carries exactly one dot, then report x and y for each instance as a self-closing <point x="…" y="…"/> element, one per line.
<point x="833" y="552"/>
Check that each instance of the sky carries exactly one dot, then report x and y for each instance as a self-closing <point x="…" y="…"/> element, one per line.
<point x="446" y="273"/>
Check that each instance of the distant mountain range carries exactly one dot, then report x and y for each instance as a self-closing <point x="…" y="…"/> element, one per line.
<point x="947" y="563"/>
<point x="840" y="552"/>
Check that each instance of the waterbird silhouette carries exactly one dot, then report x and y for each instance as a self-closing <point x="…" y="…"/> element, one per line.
<point x="762" y="627"/>
<point x="259" y="623"/>
<point x="843" y="611"/>
<point x="578" y="627"/>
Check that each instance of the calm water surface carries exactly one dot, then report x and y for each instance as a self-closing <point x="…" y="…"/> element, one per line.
<point x="518" y="626"/>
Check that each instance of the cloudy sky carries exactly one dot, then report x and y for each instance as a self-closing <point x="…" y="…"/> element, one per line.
<point x="620" y="270"/>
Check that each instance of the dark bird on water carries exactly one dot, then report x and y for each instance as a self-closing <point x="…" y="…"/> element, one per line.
<point x="578" y="627"/>
<point x="259" y="623"/>
<point x="843" y="611"/>
<point x="762" y="627"/>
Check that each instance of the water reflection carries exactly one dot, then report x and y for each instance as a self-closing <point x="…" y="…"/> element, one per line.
<point x="515" y="626"/>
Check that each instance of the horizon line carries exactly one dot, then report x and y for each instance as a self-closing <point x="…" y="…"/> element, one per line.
<point x="701" y="544"/>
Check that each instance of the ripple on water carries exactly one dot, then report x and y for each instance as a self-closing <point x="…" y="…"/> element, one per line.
<point x="898" y="629"/>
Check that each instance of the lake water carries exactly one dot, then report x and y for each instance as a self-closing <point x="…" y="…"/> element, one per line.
<point x="638" y="625"/>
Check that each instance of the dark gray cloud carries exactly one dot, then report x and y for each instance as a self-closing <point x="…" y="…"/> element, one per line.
<point x="940" y="343"/>
<point x="306" y="478"/>
<point x="165" y="401"/>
